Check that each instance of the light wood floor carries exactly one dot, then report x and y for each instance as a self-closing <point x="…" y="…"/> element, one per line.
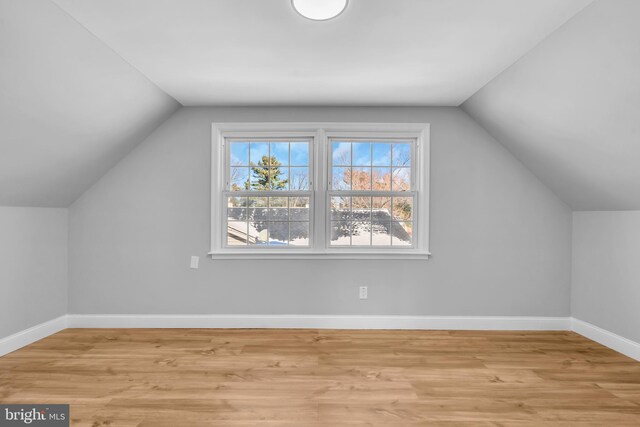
<point x="191" y="377"/>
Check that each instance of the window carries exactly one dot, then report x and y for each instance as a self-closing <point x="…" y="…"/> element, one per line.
<point x="371" y="193"/>
<point x="268" y="195"/>
<point x="326" y="190"/>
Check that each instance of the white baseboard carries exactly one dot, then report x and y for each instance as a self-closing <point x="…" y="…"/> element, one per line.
<point x="31" y="335"/>
<point x="320" y="322"/>
<point x="606" y="338"/>
<point x="501" y="323"/>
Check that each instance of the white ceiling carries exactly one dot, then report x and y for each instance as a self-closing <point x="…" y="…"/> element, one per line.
<point x="570" y="109"/>
<point x="378" y="52"/>
<point x="70" y="107"/>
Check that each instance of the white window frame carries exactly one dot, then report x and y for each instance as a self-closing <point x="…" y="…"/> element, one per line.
<point x="320" y="162"/>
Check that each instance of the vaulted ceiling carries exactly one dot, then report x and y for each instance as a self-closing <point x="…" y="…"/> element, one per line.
<point x="70" y="107"/>
<point x="570" y="108"/>
<point x="555" y="81"/>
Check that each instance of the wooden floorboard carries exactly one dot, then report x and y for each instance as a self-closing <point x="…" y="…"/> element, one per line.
<point x="217" y="377"/>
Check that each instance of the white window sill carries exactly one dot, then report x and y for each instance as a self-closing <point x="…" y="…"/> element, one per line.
<point x="319" y="255"/>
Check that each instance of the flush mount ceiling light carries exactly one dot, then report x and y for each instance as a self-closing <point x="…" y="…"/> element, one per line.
<point x="319" y="10"/>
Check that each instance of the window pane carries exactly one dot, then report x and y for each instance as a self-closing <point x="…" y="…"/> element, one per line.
<point x="258" y="208"/>
<point x="237" y="221"/>
<point x="299" y="179"/>
<point x="401" y="179"/>
<point x="341" y="153"/>
<point x="259" y="179"/>
<point x="237" y="202"/>
<point x="361" y="153"/>
<point x="381" y="208"/>
<point x="299" y="202"/>
<point x="279" y="153"/>
<point x="361" y="179"/>
<point x="265" y="221"/>
<point x="403" y="208"/>
<point x="381" y="179"/>
<point x="267" y="166"/>
<point x="372" y="221"/>
<point x="239" y="153"/>
<point x="278" y="233"/>
<point x="341" y="179"/>
<point x="362" y="205"/>
<point x="341" y="208"/>
<point x="299" y="208"/>
<point x="237" y="233"/>
<point x="237" y="214"/>
<point x="380" y="233"/>
<point x="259" y="153"/>
<point x="361" y="233"/>
<point x="278" y="208"/>
<point x="402" y="154"/>
<point x="340" y="233"/>
<point x="361" y="221"/>
<point x="401" y="233"/>
<point x="279" y="178"/>
<point x="381" y="154"/>
<point x="279" y="202"/>
<point x="258" y="214"/>
<point x="299" y="234"/>
<point x="299" y="154"/>
<point x="239" y="179"/>
<point x="258" y="202"/>
<point x="258" y="233"/>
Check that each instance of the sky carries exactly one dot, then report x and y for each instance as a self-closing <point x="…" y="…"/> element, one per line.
<point x="375" y="159"/>
<point x="297" y="153"/>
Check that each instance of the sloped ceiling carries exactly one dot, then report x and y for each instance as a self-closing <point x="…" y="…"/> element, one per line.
<point x="378" y="52"/>
<point x="70" y="107"/>
<point x="81" y="86"/>
<point x="570" y="108"/>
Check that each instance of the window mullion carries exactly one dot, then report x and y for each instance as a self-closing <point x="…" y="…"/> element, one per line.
<point x="319" y="187"/>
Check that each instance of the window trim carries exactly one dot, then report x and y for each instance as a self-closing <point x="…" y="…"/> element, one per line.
<point x="320" y="133"/>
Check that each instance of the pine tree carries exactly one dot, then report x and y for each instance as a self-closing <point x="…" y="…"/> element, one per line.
<point x="267" y="175"/>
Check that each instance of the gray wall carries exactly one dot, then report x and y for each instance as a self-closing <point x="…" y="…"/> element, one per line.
<point x="606" y="271"/>
<point x="33" y="267"/>
<point x="501" y="241"/>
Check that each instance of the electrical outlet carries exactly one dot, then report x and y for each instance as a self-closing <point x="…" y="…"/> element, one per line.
<point x="364" y="291"/>
<point x="195" y="260"/>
